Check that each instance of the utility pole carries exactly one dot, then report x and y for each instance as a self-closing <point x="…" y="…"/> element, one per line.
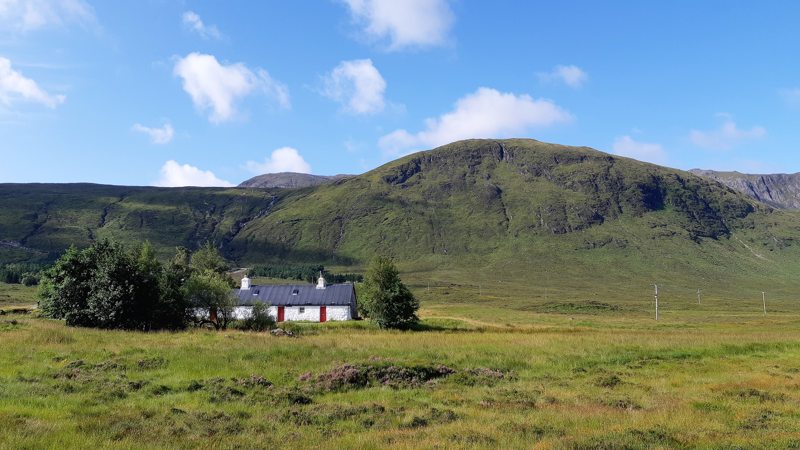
<point x="764" y="301"/>
<point x="698" y="296"/>
<point x="656" y="297"/>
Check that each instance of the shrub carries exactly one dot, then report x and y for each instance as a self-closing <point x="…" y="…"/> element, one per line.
<point x="109" y="286"/>
<point x="259" y="319"/>
<point x="29" y="279"/>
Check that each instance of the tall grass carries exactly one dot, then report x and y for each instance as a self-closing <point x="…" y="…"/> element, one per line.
<point x="588" y="383"/>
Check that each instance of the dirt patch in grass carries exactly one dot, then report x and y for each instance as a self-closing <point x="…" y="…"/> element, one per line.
<point x="656" y="437"/>
<point x="349" y="376"/>
<point x="481" y="376"/>
<point x="759" y="421"/>
<point x="151" y="363"/>
<point x="624" y="403"/>
<point x="220" y="389"/>
<point x="432" y="417"/>
<point x="512" y="398"/>
<point x="382" y="373"/>
<point x="578" y="307"/>
<point x="8" y="325"/>
<point x="366" y="416"/>
<point x="755" y="394"/>
<point x="608" y="381"/>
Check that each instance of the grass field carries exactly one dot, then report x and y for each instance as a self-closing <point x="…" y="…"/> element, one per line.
<point x="552" y="374"/>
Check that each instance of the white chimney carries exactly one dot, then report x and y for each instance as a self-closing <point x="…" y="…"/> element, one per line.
<point x="245" y="283"/>
<point x="321" y="282"/>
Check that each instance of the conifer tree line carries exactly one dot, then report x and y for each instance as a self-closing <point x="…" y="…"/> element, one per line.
<point x="303" y="272"/>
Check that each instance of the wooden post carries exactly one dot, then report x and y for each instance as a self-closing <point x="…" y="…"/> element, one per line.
<point x="698" y="296"/>
<point x="656" y="296"/>
<point x="764" y="301"/>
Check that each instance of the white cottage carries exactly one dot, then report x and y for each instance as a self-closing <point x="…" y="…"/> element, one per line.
<point x="304" y="302"/>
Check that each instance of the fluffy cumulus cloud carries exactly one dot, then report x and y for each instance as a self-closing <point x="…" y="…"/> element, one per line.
<point x="29" y="15"/>
<point x="404" y="24"/>
<point x="357" y="85"/>
<point x="158" y="135"/>
<point x="284" y="159"/>
<point x="572" y="76"/>
<point x="727" y="136"/>
<point x="643" y="151"/>
<point x="15" y="87"/>
<point x="193" y="22"/>
<point x="217" y="88"/>
<point x="174" y="174"/>
<point x="485" y="113"/>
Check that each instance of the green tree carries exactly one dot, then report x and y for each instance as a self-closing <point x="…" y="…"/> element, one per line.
<point x="107" y="286"/>
<point x="208" y="257"/>
<point x="384" y="297"/>
<point x="209" y="293"/>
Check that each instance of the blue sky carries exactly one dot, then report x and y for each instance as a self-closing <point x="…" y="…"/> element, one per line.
<point x="159" y="92"/>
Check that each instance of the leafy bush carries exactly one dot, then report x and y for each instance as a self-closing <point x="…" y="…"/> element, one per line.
<point x="29" y="279"/>
<point x="259" y="319"/>
<point x="210" y="292"/>
<point x="109" y="286"/>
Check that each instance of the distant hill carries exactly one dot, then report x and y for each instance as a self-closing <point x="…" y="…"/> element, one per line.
<point x="515" y="211"/>
<point x="290" y="180"/>
<point x="778" y="190"/>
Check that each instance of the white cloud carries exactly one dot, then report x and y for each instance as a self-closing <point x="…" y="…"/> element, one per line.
<point x="726" y="136"/>
<point x="356" y="84"/>
<point x="643" y="151"/>
<point x="174" y="174"/>
<point x="217" y="87"/>
<point x="572" y="76"/>
<point x="284" y="159"/>
<point x="161" y="135"/>
<point x="406" y="23"/>
<point x="485" y="113"/>
<point x="29" y="15"/>
<point x="14" y="87"/>
<point x="791" y="96"/>
<point x="193" y="22"/>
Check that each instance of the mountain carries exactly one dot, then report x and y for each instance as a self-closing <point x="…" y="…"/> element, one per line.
<point x="778" y="190"/>
<point x="517" y="213"/>
<point x="290" y="180"/>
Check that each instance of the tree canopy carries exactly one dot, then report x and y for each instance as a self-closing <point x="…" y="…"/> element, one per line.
<point x="107" y="285"/>
<point x="384" y="297"/>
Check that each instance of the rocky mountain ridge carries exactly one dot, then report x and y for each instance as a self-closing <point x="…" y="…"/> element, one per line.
<point x="780" y="190"/>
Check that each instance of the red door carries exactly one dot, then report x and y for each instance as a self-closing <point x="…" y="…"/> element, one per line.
<point x="323" y="314"/>
<point x="280" y="313"/>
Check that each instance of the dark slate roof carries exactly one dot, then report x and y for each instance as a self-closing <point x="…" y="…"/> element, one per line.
<point x="297" y="295"/>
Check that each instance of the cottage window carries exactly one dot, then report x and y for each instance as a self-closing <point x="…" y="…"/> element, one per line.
<point x="302" y="310"/>
<point x="295" y="292"/>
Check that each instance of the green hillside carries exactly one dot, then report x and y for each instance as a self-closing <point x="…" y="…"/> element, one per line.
<point x="528" y="220"/>
<point x="38" y="221"/>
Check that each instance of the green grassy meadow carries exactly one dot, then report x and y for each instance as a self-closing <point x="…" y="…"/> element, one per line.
<point x="574" y="373"/>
